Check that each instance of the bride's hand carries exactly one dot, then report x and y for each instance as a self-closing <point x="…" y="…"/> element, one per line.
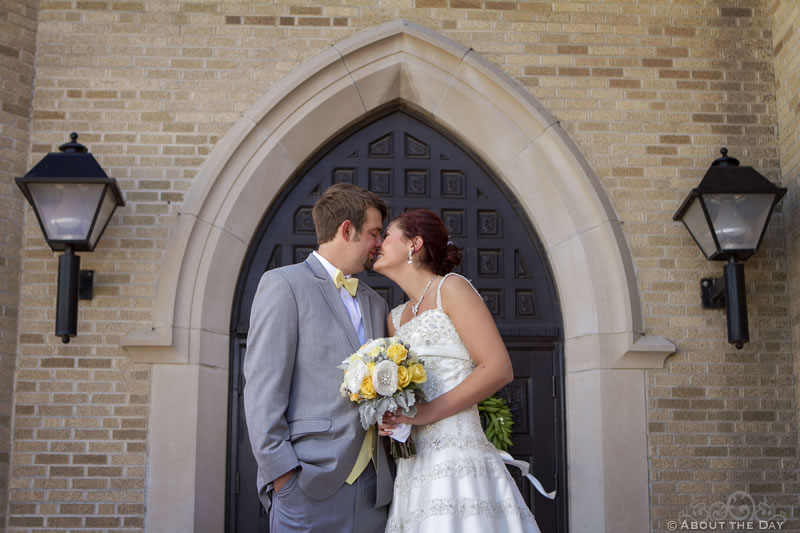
<point x="386" y="425"/>
<point x="425" y="415"/>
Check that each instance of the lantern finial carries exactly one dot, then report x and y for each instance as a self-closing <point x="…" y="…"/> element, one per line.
<point x="725" y="161"/>
<point x="73" y="147"/>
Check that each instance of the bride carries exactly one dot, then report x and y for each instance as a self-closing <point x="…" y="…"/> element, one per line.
<point x="457" y="480"/>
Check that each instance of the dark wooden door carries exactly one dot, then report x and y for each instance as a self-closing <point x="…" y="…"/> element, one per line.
<point x="411" y="164"/>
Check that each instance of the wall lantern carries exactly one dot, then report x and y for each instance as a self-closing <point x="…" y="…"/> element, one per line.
<point x="73" y="199"/>
<point x="727" y="214"/>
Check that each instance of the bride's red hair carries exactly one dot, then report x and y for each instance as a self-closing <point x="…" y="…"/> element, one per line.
<point x="438" y="253"/>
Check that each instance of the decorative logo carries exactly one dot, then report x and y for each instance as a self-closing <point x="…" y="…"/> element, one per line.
<point x="740" y="507"/>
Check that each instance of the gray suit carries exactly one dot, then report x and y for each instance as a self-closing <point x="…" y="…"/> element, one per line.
<point x="299" y="332"/>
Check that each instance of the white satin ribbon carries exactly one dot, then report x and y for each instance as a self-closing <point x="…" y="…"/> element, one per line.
<point x="525" y="468"/>
<point x="401" y="432"/>
<point x="442" y="351"/>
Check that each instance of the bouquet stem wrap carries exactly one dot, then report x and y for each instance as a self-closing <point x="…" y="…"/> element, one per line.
<point x="402" y="445"/>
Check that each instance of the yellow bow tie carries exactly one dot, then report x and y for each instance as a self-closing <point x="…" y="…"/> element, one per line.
<point x="350" y="284"/>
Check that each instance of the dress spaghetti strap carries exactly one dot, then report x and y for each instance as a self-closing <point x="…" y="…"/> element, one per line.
<point x="439" y="289"/>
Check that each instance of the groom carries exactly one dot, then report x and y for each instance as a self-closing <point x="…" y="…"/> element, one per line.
<point x="316" y="465"/>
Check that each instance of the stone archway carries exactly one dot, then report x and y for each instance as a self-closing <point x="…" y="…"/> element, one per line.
<point x="605" y="349"/>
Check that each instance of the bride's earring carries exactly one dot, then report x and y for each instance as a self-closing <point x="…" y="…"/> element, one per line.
<point x="410" y="259"/>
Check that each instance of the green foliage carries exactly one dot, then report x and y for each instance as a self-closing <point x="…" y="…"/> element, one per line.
<point x="496" y="417"/>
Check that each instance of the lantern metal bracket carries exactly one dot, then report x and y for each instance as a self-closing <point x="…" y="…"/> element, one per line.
<point x="86" y="285"/>
<point x="712" y="292"/>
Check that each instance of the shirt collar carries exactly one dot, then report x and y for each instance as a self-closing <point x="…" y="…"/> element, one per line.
<point x="329" y="268"/>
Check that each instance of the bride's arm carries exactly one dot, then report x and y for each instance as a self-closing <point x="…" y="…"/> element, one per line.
<point x="477" y="330"/>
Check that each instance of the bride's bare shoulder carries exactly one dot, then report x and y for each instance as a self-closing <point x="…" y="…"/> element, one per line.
<point x="456" y="290"/>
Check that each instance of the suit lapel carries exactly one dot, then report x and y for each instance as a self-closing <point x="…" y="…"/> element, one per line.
<point x="366" y="310"/>
<point x="334" y="301"/>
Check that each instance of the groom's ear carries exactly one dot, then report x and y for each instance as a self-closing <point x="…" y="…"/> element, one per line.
<point x="344" y="230"/>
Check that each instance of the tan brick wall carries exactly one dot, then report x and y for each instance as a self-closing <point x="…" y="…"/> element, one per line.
<point x="786" y="43"/>
<point x="17" y="48"/>
<point x="649" y="91"/>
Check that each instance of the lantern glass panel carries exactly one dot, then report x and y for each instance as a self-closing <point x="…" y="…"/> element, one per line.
<point x="66" y="209"/>
<point x="738" y="219"/>
<point x="106" y="210"/>
<point x="696" y="223"/>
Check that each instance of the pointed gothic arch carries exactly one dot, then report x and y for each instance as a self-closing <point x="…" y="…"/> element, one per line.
<point x="604" y="345"/>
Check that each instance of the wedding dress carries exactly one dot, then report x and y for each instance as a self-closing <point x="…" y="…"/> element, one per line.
<point x="457" y="481"/>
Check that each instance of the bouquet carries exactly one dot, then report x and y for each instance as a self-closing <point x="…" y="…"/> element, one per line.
<point x="384" y="375"/>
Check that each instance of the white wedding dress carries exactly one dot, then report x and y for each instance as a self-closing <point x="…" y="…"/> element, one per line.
<point x="457" y="481"/>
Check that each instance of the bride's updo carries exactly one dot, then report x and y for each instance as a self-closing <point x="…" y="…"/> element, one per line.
<point x="437" y="253"/>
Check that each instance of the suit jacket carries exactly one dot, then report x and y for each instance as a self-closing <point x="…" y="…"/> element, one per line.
<point x="299" y="333"/>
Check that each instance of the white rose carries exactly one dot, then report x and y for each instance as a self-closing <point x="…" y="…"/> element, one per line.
<point x="384" y="378"/>
<point x="355" y="374"/>
<point x="370" y="345"/>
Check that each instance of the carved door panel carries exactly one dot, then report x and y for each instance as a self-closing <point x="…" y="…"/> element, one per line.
<point x="411" y="164"/>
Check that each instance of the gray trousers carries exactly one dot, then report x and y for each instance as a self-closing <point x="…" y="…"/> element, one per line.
<point x="350" y="509"/>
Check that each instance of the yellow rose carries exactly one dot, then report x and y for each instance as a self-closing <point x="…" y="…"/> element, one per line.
<point x="353" y="396"/>
<point x="417" y="373"/>
<point x="403" y="377"/>
<point x="397" y="353"/>
<point x="368" y="389"/>
<point x="371" y="368"/>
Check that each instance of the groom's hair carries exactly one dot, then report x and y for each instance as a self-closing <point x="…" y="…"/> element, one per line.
<point x="341" y="202"/>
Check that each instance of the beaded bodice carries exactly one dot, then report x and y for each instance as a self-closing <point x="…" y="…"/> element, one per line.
<point x="429" y="328"/>
<point x="432" y="335"/>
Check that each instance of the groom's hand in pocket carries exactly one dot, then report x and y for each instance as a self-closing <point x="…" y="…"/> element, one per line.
<point x="280" y="481"/>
